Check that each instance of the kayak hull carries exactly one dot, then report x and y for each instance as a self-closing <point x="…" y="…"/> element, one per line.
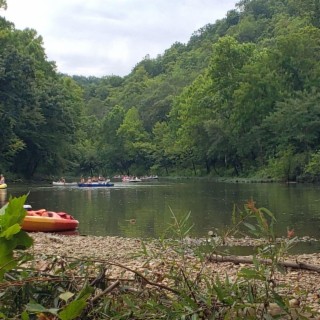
<point x="3" y="186"/>
<point x="95" y="185"/>
<point x="48" y="222"/>
<point x="64" y="184"/>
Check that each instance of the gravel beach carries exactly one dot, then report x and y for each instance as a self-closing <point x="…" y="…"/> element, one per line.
<point x="124" y="251"/>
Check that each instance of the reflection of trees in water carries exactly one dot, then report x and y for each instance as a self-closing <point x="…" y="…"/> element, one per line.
<point x="108" y="211"/>
<point x="3" y="197"/>
<point x="89" y="195"/>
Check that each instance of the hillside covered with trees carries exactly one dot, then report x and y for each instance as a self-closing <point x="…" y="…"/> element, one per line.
<point x="241" y="98"/>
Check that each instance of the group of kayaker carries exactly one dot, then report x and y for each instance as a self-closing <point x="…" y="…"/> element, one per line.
<point x="93" y="179"/>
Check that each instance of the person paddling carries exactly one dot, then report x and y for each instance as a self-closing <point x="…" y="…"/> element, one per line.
<point x="2" y="179"/>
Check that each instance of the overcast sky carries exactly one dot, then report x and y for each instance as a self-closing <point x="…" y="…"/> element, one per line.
<point x="105" y="37"/>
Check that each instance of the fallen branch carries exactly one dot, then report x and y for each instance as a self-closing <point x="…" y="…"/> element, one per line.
<point x="146" y="280"/>
<point x="245" y="260"/>
<point x="137" y="273"/>
<point x="109" y="289"/>
<point x="20" y="283"/>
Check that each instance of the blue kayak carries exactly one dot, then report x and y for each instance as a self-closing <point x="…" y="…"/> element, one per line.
<point x="96" y="184"/>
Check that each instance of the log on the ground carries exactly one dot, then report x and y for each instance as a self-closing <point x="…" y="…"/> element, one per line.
<point x="246" y="260"/>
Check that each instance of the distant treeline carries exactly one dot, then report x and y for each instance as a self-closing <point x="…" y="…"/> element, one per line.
<point x="241" y="98"/>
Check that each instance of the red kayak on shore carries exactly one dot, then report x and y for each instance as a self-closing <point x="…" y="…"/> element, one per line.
<point x="48" y="221"/>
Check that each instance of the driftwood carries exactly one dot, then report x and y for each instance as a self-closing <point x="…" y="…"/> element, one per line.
<point x="109" y="289"/>
<point x="245" y="260"/>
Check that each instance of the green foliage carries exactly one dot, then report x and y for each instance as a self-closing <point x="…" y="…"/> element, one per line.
<point x="313" y="166"/>
<point x="75" y="308"/>
<point x="3" y="4"/>
<point x="135" y="142"/>
<point x="286" y="165"/>
<point x="11" y="235"/>
<point x="111" y="146"/>
<point x="229" y="102"/>
<point x="40" y="110"/>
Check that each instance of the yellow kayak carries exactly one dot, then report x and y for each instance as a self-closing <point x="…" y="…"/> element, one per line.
<point x="3" y="186"/>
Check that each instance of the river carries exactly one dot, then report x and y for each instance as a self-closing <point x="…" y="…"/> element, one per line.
<point x="146" y="209"/>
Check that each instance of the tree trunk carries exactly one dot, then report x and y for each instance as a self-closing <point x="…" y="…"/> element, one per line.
<point x="208" y="167"/>
<point x="194" y="168"/>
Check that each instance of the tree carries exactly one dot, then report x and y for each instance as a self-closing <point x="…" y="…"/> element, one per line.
<point x="225" y="72"/>
<point x="110" y="145"/>
<point x="59" y="101"/>
<point x="3" y="4"/>
<point x="19" y="107"/>
<point x="136" y="141"/>
<point x="189" y="113"/>
<point x="298" y="120"/>
<point x="163" y="141"/>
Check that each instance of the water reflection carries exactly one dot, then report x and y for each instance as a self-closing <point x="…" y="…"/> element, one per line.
<point x="108" y="211"/>
<point x="3" y="197"/>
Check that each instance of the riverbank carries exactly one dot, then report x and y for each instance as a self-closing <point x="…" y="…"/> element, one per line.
<point x="301" y="285"/>
<point x="231" y="179"/>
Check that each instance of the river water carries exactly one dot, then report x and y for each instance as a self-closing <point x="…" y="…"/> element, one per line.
<point x="146" y="209"/>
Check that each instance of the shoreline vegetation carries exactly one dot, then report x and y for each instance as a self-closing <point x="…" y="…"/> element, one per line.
<point x="209" y="178"/>
<point x="11" y="178"/>
<point x="70" y="277"/>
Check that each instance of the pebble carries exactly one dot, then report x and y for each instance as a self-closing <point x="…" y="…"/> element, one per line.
<point x="302" y="286"/>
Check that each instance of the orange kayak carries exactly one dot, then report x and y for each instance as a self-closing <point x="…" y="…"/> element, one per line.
<point x="48" y="221"/>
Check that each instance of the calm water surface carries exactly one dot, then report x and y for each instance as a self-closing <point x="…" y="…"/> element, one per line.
<point x="110" y="211"/>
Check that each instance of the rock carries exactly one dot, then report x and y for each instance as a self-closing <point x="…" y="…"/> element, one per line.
<point x="292" y="285"/>
<point x="294" y="303"/>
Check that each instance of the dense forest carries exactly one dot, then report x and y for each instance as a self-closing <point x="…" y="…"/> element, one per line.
<point x="241" y="98"/>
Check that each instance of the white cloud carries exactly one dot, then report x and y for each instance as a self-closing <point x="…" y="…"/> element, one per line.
<point x="104" y="37"/>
